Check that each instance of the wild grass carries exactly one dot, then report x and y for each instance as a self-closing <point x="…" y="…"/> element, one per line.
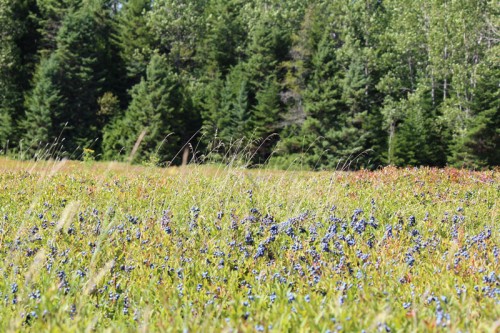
<point x="96" y="246"/>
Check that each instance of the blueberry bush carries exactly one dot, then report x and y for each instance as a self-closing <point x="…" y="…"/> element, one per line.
<point x="91" y="246"/>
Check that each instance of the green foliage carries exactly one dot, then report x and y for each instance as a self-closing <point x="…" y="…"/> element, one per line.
<point x="482" y="139"/>
<point x="44" y="105"/>
<point x="418" y="137"/>
<point x="81" y="55"/>
<point x="134" y="37"/>
<point x="233" y="118"/>
<point x="154" y="119"/>
<point x="10" y="65"/>
<point x="340" y="84"/>
<point x="217" y="249"/>
<point x="109" y="107"/>
<point x="177" y="26"/>
<point x="222" y="42"/>
<point x="52" y="13"/>
<point x="325" y="113"/>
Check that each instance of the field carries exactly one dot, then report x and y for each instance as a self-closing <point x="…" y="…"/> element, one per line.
<point x="87" y="246"/>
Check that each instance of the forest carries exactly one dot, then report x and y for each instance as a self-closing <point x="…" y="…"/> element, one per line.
<point x="320" y="84"/>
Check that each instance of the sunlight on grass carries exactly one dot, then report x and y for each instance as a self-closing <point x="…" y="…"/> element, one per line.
<point x="92" y="246"/>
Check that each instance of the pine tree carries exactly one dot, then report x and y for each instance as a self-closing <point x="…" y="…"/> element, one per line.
<point x="44" y="105"/>
<point x="10" y="65"/>
<point x="82" y="72"/>
<point x="51" y="14"/>
<point x="420" y="136"/>
<point x="134" y="38"/>
<point x="233" y="119"/>
<point x="322" y="104"/>
<point x="157" y="111"/>
<point x="265" y="118"/>
<point x="221" y="47"/>
<point x="298" y="67"/>
<point x="177" y="27"/>
<point x="482" y="140"/>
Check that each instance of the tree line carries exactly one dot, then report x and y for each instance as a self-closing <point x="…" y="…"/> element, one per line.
<point x="317" y="83"/>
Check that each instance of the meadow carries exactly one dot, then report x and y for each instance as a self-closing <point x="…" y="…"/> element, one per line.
<point x="89" y="246"/>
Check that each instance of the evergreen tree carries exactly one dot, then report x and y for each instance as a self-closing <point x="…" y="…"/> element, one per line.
<point x="360" y="25"/>
<point x="420" y="136"/>
<point x="221" y="46"/>
<point x="268" y="47"/>
<point x="342" y="84"/>
<point x="298" y="68"/>
<point x="208" y="100"/>
<point x="44" y="105"/>
<point x="482" y="140"/>
<point x="134" y="38"/>
<point x="265" y="119"/>
<point x="156" y="110"/>
<point x="82" y="72"/>
<point x="177" y="27"/>
<point x="10" y="96"/>
<point x="233" y="119"/>
<point x="51" y="14"/>
<point x="249" y="103"/>
<point x="28" y="43"/>
<point x="322" y="102"/>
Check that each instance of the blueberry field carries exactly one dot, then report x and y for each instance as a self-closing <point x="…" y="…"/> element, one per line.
<point x="90" y="246"/>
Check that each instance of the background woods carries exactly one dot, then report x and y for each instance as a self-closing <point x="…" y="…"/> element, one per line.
<point x="324" y="84"/>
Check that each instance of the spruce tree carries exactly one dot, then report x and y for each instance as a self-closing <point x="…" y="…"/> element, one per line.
<point x="208" y="100"/>
<point x="44" y="105"/>
<point x="421" y="134"/>
<point x="82" y="72"/>
<point x="50" y="17"/>
<point x="221" y="46"/>
<point x="482" y="140"/>
<point x="233" y="119"/>
<point x="267" y="48"/>
<point x="10" y="65"/>
<point x="156" y="110"/>
<point x="322" y="104"/>
<point x="133" y="38"/>
<point x="266" y="119"/>
<point x="177" y="27"/>
<point x="298" y="66"/>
